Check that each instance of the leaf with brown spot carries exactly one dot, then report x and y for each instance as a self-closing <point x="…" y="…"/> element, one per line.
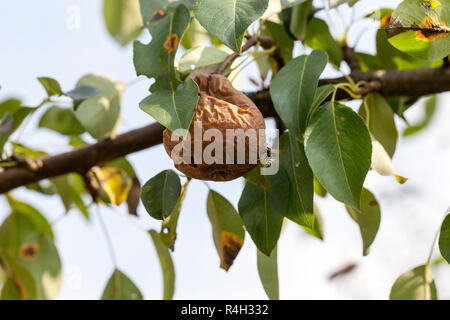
<point x="20" y="284"/>
<point x="421" y="28"/>
<point x="227" y="227"/>
<point x="29" y="250"/>
<point x="171" y="43"/>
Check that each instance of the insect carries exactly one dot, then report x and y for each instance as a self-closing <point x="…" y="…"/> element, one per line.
<point x="267" y="159"/>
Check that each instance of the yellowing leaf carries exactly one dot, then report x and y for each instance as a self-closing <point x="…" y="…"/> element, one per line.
<point x="114" y="182"/>
<point x="382" y="163"/>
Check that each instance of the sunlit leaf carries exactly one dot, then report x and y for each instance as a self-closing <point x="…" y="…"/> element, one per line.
<point x="120" y="287"/>
<point x="62" y="120"/>
<point x="318" y="36"/>
<point x="195" y="35"/>
<point x="228" y="19"/>
<point x="421" y="28"/>
<point x="416" y="284"/>
<point x="51" y="86"/>
<point x="200" y="57"/>
<point x="166" y="265"/>
<point x="268" y="273"/>
<point x="368" y="218"/>
<point x="227" y="228"/>
<point x="99" y="114"/>
<point x="114" y="182"/>
<point x="122" y="19"/>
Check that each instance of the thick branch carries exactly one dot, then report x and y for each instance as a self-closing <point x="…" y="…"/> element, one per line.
<point x="411" y="83"/>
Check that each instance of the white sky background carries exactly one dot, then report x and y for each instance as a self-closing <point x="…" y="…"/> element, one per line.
<point x="36" y="42"/>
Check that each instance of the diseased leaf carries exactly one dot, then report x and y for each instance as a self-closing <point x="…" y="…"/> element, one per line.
<point x="34" y="250"/>
<point x="444" y="239"/>
<point x="99" y="115"/>
<point x="122" y="19"/>
<point x="51" y="86"/>
<point x="173" y="109"/>
<point x="156" y="59"/>
<point x="166" y="265"/>
<point x="380" y="121"/>
<point x="268" y="273"/>
<point x="61" y="120"/>
<point x="153" y="10"/>
<point x="368" y="218"/>
<point x="339" y="150"/>
<point x="227" y="227"/>
<point x="21" y="284"/>
<point x="120" y="287"/>
<point x="421" y="28"/>
<point x="228" y="19"/>
<point x="416" y="284"/>
<point x="293" y="90"/>
<point x="161" y="193"/>
<point x="318" y="36"/>
<point x="114" y="182"/>
<point x="263" y="210"/>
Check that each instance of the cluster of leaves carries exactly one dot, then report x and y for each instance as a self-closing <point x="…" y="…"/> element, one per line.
<point x="329" y="148"/>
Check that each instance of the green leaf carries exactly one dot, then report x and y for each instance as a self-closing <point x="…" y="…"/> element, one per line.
<point x="290" y="3"/>
<point x="166" y="265"/>
<point x="278" y="32"/>
<point x="61" y="120"/>
<point x="6" y="123"/>
<point x="380" y="121"/>
<point x="421" y="28"/>
<point x="120" y="287"/>
<point x="81" y="93"/>
<point x="18" y="113"/>
<point x="336" y="3"/>
<point x="416" y="284"/>
<point x="228" y="19"/>
<point x="339" y="150"/>
<point x="299" y="19"/>
<point x="200" y="57"/>
<point x="263" y="210"/>
<point x="99" y="115"/>
<point x="300" y="179"/>
<point x="293" y="90"/>
<point x="122" y="19"/>
<point x="227" y="227"/>
<point x="34" y="250"/>
<point x="160" y="194"/>
<point x="168" y="232"/>
<point x="173" y="109"/>
<point x="195" y="35"/>
<point x="21" y="284"/>
<point x="319" y="189"/>
<point x="156" y="59"/>
<point x="313" y="223"/>
<point x="152" y="10"/>
<point x="430" y="109"/>
<point x="254" y="176"/>
<point x="318" y="36"/>
<point x="368" y="218"/>
<point x="444" y="239"/>
<point x="51" y="86"/>
<point x="268" y="273"/>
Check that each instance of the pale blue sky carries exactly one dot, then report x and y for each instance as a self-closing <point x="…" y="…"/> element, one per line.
<point x="36" y="42"/>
